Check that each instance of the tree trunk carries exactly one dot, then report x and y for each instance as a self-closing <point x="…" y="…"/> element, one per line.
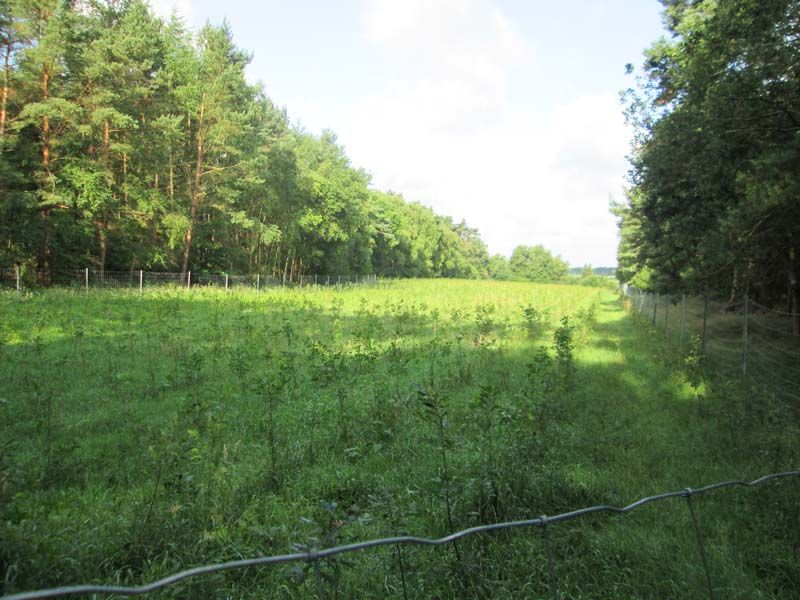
<point x="171" y="181"/>
<point x="103" y="224"/>
<point x="44" y="212"/>
<point x="4" y="92"/>
<point x="103" y="239"/>
<point x="46" y="121"/>
<point x="107" y="149"/>
<point x="125" y="178"/>
<point x="734" y="289"/>
<point x="196" y="193"/>
<point x="276" y="260"/>
<point x="794" y="292"/>
<point x="187" y="237"/>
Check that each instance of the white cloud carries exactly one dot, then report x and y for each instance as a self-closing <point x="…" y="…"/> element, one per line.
<point x="165" y="8"/>
<point x="460" y="52"/>
<point x="444" y="131"/>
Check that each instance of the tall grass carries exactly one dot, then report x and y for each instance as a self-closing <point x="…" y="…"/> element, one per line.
<point x="141" y="435"/>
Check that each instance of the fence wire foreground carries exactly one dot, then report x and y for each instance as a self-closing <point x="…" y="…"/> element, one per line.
<point x="315" y="555"/>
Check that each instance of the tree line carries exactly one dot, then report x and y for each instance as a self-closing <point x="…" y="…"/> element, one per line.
<point x="131" y="142"/>
<point x="714" y="203"/>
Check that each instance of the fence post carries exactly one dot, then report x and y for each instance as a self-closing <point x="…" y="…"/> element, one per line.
<point x="744" y="336"/>
<point x="188" y="280"/>
<point x="86" y="280"/>
<point x="666" y="315"/>
<point x="551" y="565"/>
<point x="318" y="577"/>
<point x="683" y="315"/>
<point x="701" y="547"/>
<point x="141" y="281"/>
<point x="705" y="322"/>
<point x="226" y="282"/>
<point x="258" y="281"/>
<point x="655" y="310"/>
<point x="16" y="276"/>
<point x="329" y="280"/>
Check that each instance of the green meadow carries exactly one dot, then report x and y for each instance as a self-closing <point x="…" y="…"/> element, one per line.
<point x="145" y="434"/>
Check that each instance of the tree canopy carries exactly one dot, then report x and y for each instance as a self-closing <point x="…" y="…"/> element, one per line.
<point x="715" y="175"/>
<point x="536" y="263"/>
<point x="128" y="141"/>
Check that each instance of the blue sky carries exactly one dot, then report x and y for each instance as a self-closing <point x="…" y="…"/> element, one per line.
<point x="503" y="113"/>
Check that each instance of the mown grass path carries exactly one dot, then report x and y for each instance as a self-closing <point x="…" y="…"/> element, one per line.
<point x="640" y="429"/>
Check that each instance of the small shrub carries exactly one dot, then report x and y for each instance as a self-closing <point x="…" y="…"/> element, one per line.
<point x="564" y="343"/>
<point x="534" y="321"/>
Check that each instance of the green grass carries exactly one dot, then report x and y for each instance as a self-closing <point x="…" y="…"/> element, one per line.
<point x="145" y="434"/>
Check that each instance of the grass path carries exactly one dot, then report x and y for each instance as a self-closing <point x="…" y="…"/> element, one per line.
<point x="639" y="429"/>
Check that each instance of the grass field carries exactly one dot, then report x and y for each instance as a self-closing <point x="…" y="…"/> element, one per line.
<point x="140" y="435"/>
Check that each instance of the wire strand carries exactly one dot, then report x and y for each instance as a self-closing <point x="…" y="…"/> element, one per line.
<point x="775" y="363"/>
<point x="774" y="346"/>
<point x="767" y="383"/>
<point x="752" y="322"/>
<point x="777" y="312"/>
<point x="318" y="554"/>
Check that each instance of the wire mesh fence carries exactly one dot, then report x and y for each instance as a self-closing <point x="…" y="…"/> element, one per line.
<point x="140" y="280"/>
<point x="9" y="279"/>
<point x="315" y="555"/>
<point x="756" y="344"/>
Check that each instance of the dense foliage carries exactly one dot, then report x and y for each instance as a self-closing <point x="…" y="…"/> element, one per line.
<point x="129" y="142"/>
<point x="529" y="263"/>
<point x="716" y="170"/>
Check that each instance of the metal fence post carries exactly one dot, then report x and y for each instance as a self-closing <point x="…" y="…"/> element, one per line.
<point x="16" y="275"/>
<point x="744" y="336"/>
<point x="188" y="279"/>
<point x="313" y="557"/>
<point x="683" y="315"/>
<point x="258" y="281"/>
<point x="551" y="565"/>
<point x="141" y="281"/>
<point x="655" y="310"/>
<point x="701" y="547"/>
<point x="226" y="282"/>
<point x="86" y="280"/>
<point x="705" y="322"/>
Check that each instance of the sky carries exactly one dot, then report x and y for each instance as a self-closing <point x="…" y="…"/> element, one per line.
<point x="504" y="113"/>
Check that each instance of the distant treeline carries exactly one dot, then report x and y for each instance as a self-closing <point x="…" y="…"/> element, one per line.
<point x="715" y="199"/>
<point x="130" y="142"/>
